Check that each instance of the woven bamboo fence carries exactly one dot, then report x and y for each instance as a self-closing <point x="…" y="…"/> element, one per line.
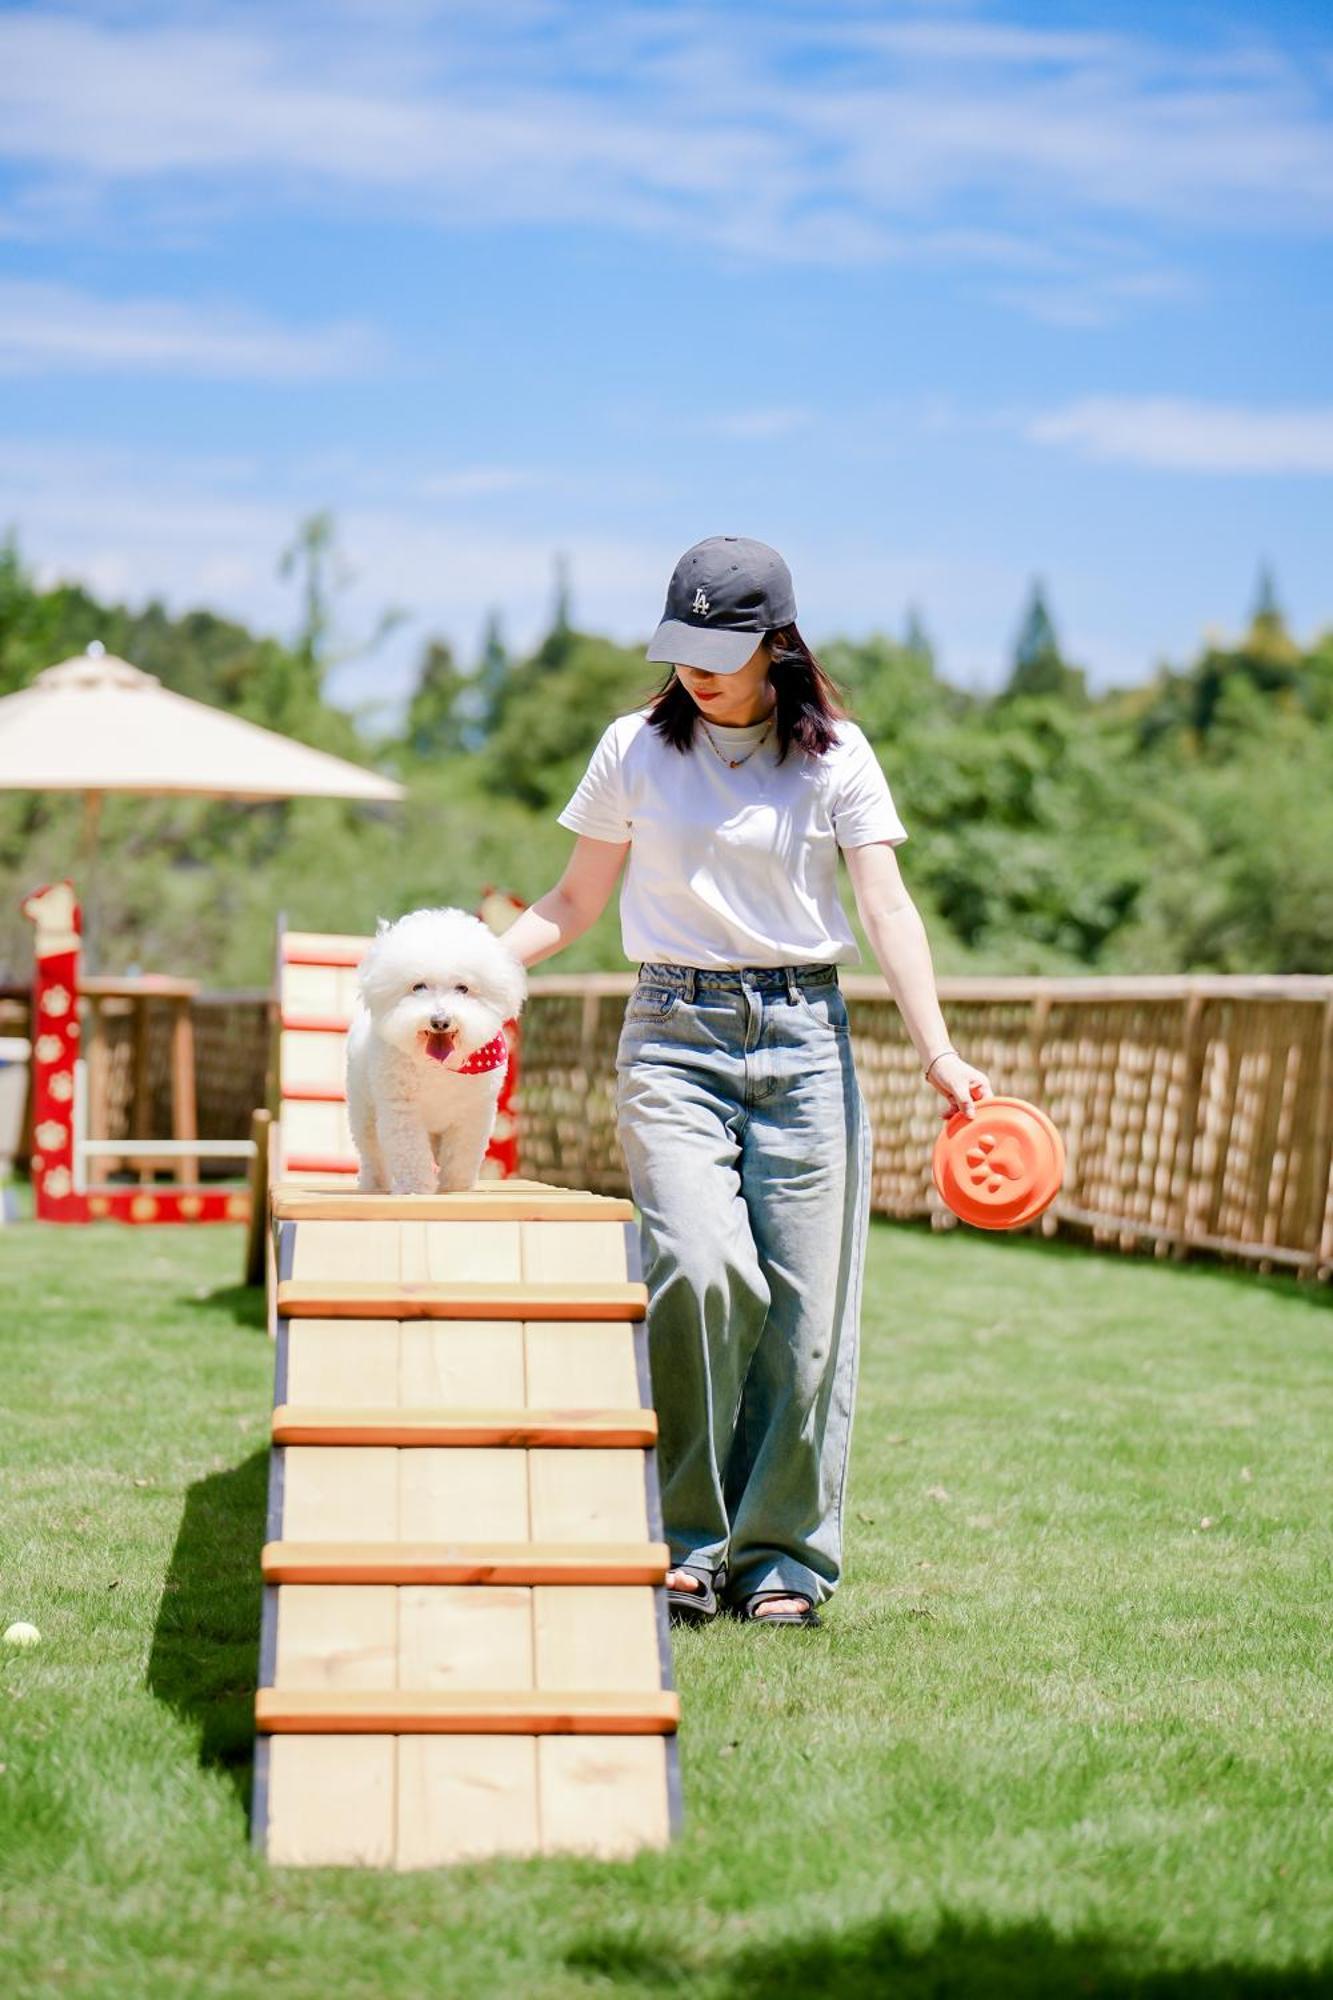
<point x="1196" y="1111"/>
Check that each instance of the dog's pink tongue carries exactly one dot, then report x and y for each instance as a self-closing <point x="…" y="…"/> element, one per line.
<point x="439" y="1047"/>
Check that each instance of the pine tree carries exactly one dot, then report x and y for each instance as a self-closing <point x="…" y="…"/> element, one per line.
<point x="556" y="647"/>
<point x="486" y="700"/>
<point x="434" y="725"/>
<point x="1039" y="668"/>
<point x="1268" y="640"/>
<point x="916" y="639"/>
<point x="1266" y="606"/>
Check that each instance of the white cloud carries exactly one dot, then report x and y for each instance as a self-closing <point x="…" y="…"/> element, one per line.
<point x="1176" y="435"/>
<point x="54" y="329"/>
<point x="832" y="136"/>
<point x="475" y="481"/>
<point x="759" y="426"/>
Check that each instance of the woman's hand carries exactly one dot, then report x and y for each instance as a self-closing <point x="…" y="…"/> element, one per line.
<point x="960" y="1084"/>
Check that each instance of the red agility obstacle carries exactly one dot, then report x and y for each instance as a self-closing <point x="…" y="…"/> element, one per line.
<point x="60" y="1143"/>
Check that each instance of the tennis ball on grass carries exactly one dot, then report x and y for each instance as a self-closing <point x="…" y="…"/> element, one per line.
<point x="21" y="1634"/>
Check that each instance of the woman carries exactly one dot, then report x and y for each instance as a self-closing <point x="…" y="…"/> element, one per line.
<point x="737" y="1101"/>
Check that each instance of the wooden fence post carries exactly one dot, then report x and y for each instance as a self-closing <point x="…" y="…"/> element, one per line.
<point x="1191" y="1082"/>
<point x="1321" y="1165"/>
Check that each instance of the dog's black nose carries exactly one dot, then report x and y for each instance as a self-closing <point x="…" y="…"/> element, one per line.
<point x="441" y="1023"/>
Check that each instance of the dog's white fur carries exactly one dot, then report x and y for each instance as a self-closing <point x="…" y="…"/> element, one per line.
<point x="434" y="987"/>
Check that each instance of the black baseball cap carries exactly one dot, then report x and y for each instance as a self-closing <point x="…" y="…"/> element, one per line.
<point x="723" y="596"/>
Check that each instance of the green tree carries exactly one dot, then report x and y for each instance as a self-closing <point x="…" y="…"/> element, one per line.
<point x="555" y="649"/>
<point x="889" y="688"/>
<point x="555" y="712"/>
<point x="1039" y="667"/>
<point x="491" y="683"/>
<point x="916" y="639"/>
<point x="435" y="723"/>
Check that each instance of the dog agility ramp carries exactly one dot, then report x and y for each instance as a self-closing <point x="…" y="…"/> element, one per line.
<point x="464" y="1647"/>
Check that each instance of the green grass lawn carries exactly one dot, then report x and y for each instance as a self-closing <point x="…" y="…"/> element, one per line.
<point x="1068" y="1729"/>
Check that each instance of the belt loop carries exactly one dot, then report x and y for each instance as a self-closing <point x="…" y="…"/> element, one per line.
<point x="793" y="994"/>
<point x="689" y="985"/>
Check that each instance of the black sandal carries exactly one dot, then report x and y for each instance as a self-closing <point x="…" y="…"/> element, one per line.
<point x="748" y="1612"/>
<point x="696" y="1607"/>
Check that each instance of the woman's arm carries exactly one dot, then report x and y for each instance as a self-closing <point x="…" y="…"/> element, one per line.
<point x="573" y="906"/>
<point x="898" y="939"/>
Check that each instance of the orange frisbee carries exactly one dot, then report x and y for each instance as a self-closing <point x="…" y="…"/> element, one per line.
<point x="1001" y="1168"/>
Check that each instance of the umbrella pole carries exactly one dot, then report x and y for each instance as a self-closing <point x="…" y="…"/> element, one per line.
<point x="92" y="820"/>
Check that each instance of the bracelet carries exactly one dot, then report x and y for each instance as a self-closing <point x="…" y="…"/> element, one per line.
<point x="934" y="1059"/>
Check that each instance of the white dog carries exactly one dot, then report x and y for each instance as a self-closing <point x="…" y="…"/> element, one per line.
<point x="426" y="1053"/>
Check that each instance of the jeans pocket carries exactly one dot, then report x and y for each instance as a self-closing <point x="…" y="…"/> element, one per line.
<point x="651" y="1003"/>
<point x="825" y="1006"/>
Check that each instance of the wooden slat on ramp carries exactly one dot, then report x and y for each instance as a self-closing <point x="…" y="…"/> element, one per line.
<point x="464" y="1631"/>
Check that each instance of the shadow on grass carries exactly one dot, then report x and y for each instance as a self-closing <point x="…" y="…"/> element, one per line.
<point x="1197" y="1266"/>
<point x="962" y="1961"/>
<point x="245" y="1303"/>
<point x="205" y="1653"/>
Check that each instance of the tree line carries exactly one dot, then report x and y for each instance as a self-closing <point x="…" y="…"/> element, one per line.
<point x="1182" y="824"/>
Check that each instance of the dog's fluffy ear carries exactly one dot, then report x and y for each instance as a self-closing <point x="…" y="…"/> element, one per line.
<point x="382" y="924"/>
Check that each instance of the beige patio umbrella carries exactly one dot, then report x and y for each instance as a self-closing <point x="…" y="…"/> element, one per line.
<point x="95" y="724"/>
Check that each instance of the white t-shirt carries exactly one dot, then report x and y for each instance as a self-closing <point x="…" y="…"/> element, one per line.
<point x="729" y="868"/>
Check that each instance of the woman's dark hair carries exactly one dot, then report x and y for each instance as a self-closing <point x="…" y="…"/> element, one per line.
<point x="807" y="704"/>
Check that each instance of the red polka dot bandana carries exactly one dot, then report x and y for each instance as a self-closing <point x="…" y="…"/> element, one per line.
<point x="494" y="1056"/>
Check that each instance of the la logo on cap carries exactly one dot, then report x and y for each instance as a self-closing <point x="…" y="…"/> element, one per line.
<point x="701" y="604"/>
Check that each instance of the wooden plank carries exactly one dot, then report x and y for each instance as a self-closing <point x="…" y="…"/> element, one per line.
<point x="331" y="1802"/>
<point x="312" y="990"/>
<point x="314" y="1059"/>
<point x="323" y="948"/>
<point x="318" y="1132"/>
<point x="603" y="1796"/>
<point x="504" y="1201"/>
<point x="297" y="1423"/>
<point x="343" y="1361"/>
<point x="332" y="1299"/>
<point x="330" y="1250"/>
<point x="573" y="1253"/>
<point x="291" y="1561"/>
<point x="315" y="1024"/>
<point x="465" y="1363"/>
<point x="587" y="1496"/>
<point x="333" y="1493"/>
<point x="596" y="1636"/>
<point x="294" y="1175"/>
<point x="456" y="1636"/>
<point x="445" y="1495"/>
<point x="479" y="1253"/>
<point x="463" y="1798"/>
<point x="517" y="1185"/>
<point x="579" y="1361"/>
<point x="466" y="1712"/>
<point x="337" y="1636"/>
<point x="258" y="1232"/>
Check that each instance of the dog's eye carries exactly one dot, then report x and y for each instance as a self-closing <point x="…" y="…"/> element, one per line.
<point x="420" y="986"/>
<point x="460" y="988"/>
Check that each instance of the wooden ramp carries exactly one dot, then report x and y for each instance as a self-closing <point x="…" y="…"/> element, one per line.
<point x="316" y="997"/>
<point x="464" y="1646"/>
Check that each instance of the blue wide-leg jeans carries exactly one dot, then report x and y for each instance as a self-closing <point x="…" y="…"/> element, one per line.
<point x="748" y="1151"/>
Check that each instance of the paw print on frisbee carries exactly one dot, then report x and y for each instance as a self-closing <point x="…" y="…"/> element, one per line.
<point x="1001" y="1168"/>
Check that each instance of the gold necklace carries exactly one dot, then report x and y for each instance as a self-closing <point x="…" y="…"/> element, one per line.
<point x="733" y="763"/>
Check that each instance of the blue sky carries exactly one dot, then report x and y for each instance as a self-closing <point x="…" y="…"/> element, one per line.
<point x="934" y="297"/>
